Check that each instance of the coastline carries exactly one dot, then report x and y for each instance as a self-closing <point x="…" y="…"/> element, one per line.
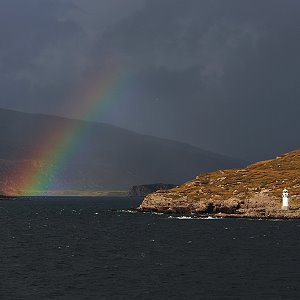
<point x="278" y="214"/>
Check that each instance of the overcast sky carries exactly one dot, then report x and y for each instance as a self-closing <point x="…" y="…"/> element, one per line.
<point x="222" y="75"/>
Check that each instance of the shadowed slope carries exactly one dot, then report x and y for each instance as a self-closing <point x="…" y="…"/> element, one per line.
<point x="107" y="157"/>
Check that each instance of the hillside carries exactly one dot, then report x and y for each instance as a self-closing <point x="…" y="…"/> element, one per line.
<point x="254" y="191"/>
<point x="102" y="157"/>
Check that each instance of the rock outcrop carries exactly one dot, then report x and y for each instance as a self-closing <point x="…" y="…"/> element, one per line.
<point x="254" y="191"/>
<point x="146" y="189"/>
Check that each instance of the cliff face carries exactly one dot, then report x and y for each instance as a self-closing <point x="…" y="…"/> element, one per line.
<point x="254" y="191"/>
<point x="145" y="189"/>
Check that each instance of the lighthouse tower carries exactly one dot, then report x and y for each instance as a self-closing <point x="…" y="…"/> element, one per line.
<point x="285" y="199"/>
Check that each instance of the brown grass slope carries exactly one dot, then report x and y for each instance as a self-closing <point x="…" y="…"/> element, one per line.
<point x="254" y="191"/>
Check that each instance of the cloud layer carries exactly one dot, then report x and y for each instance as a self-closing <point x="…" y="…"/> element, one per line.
<point x="222" y="75"/>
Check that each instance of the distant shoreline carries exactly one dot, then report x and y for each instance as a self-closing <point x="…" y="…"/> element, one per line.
<point x="70" y="193"/>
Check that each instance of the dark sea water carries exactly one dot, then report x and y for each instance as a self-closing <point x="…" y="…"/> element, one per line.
<point x="91" y="248"/>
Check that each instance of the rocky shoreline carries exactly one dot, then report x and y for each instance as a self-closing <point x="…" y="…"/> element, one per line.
<point x="276" y="215"/>
<point x="252" y="192"/>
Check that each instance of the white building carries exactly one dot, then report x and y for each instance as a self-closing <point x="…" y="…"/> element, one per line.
<point x="285" y="199"/>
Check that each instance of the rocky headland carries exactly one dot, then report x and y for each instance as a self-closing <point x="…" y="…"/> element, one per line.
<point x="252" y="192"/>
<point x="145" y="189"/>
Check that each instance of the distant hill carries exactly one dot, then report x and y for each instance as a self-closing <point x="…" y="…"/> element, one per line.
<point x="105" y="157"/>
<point x="254" y="191"/>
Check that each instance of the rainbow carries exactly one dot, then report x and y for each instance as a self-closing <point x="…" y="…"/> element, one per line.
<point x="59" y="147"/>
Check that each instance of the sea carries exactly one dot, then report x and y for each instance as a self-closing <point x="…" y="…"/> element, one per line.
<point x="95" y="248"/>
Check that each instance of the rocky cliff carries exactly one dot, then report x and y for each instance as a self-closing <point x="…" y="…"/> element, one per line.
<point x="145" y="189"/>
<point x="254" y="191"/>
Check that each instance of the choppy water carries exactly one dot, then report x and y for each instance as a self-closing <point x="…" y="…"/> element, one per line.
<point x="90" y="248"/>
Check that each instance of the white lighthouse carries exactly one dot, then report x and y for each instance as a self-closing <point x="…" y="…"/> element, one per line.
<point x="285" y="199"/>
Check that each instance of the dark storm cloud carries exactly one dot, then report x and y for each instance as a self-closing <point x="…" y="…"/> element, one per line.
<point x="27" y="28"/>
<point x="243" y="98"/>
<point x="32" y="32"/>
<point x="223" y="75"/>
<point x="45" y="46"/>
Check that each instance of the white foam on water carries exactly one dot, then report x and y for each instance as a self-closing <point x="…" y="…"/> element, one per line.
<point x="193" y="218"/>
<point x="127" y="211"/>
